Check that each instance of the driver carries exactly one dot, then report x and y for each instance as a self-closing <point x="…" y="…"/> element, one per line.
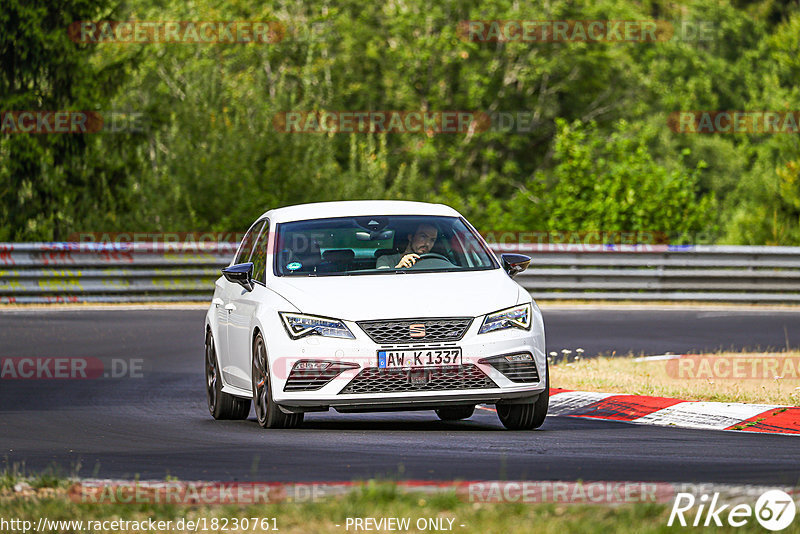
<point x="420" y="243"/>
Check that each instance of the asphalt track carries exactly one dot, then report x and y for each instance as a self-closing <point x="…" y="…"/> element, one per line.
<point x="158" y="424"/>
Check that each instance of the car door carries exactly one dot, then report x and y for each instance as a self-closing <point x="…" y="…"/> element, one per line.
<point x="244" y="306"/>
<point x="224" y="297"/>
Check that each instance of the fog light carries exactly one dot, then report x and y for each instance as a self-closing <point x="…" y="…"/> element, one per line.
<point x="519" y="358"/>
<point x="311" y="366"/>
<point x="519" y="367"/>
<point x="313" y="375"/>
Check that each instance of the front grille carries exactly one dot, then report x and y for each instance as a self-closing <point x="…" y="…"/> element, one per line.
<point x="399" y="331"/>
<point x="375" y="380"/>
<point x="313" y="379"/>
<point x="524" y="371"/>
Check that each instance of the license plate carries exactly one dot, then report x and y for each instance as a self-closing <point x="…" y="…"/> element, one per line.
<point x="411" y="358"/>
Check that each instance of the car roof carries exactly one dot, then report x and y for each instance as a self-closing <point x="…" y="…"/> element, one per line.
<point x="350" y="208"/>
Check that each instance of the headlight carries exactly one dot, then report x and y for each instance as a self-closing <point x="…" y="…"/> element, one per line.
<point x="516" y="317"/>
<point x="298" y="326"/>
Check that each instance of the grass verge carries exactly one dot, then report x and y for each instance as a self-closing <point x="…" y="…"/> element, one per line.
<point x="330" y="515"/>
<point x="721" y="377"/>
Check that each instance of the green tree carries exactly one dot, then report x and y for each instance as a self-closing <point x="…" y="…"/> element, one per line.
<point x="599" y="154"/>
<point x="49" y="184"/>
<point x="610" y="182"/>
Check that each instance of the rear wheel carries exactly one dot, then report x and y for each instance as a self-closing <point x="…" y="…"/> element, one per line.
<point x="221" y="405"/>
<point x="454" y="413"/>
<point x="268" y="413"/>
<point x="526" y="416"/>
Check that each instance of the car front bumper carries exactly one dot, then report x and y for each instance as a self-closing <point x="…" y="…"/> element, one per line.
<point x="284" y="352"/>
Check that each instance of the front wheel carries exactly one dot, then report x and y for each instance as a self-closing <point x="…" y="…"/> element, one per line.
<point x="221" y="405"/>
<point x="268" y="414"/>
<point x="526" y="416"/>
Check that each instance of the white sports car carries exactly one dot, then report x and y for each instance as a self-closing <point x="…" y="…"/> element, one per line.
<point x="373" y="306"/>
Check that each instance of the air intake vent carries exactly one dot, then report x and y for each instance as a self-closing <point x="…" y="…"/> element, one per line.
<point x="375" y="380"/>
<point x="314" y="379"/>
<point x="522" y="370"/>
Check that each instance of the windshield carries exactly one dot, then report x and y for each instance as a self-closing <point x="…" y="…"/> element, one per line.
<point x="378" y="245"/>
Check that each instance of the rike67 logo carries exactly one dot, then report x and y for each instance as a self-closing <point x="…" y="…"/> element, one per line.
<point x="774" y="510"/>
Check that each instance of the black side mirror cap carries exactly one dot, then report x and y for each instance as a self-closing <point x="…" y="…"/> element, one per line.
<point x="515" y="263"/>
<point x="241" y="273"/>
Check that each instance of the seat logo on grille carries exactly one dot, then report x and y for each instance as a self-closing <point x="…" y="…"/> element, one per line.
<point x="417" y="329"/>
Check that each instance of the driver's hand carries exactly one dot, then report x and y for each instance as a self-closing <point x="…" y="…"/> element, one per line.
<point x="407" y="261"/>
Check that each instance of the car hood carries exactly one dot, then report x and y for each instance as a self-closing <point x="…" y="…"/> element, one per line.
<point x="385" y="296"/>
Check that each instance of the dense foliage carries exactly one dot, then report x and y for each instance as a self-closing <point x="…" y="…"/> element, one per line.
<point x="599" y="154"/>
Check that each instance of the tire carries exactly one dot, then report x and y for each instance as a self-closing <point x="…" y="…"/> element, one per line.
<point x="221" y="405"/>
<point x="526" y="416"/>
<point x="455" y="413"/>
<point x="268" y="414"/>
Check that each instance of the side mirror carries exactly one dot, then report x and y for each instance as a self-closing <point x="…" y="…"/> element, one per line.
<point x="241" y="274"/>
<point x="515" y="263"/>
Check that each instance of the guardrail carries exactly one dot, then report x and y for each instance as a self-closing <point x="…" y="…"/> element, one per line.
<point x="110" y="272"/>
<point x="661" y="272"/>
<point x="135" y="272"/>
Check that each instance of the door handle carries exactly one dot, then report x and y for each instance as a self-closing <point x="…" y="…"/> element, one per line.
<point x="230" y="307"/>
<point x="217" y="302"/>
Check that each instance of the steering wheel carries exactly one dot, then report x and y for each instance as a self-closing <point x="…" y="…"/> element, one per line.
<point x="432" y="260"/>
<point x="433" y="256"/>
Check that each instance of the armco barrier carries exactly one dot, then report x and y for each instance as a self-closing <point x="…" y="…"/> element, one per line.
<point x="661" y="272"/>
<point x="110" y="272"/>
<point x="133" y="272"/>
